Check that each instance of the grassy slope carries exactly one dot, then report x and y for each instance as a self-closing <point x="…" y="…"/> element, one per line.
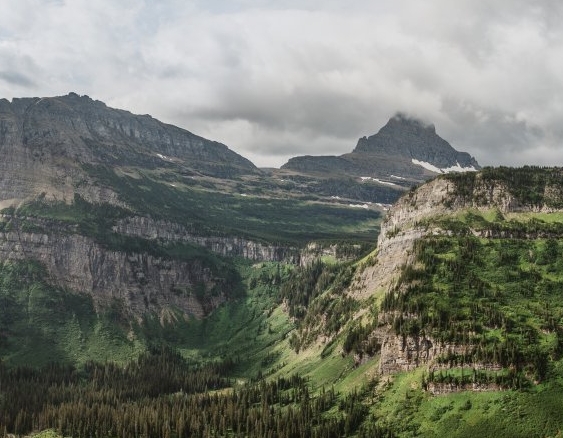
<point x="40" y="323"/>
<point x="521" y="280"/>
<point x="413" y="412"/>
<point x="254" y="329"/>
<point x="272" y="215"/>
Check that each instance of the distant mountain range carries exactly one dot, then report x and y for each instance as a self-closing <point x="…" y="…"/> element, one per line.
<point x="47" y="142"/>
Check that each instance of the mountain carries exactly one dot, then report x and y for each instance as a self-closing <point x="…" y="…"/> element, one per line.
<point x="456" y="315"/>
<point x="46" y="141"/>
<point x="412" y="139"/>
<point x="404" y="149"/>
<point x="113" y="221"/>
<point x="150" y="292"/>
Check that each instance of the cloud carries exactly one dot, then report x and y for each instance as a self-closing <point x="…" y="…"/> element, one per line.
<point x="276" y="79"/>
<point x="15" y="78"/>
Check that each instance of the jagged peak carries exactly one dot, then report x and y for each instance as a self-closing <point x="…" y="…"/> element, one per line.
<point x="403" y="135"/>
<point x="415" y="140"/>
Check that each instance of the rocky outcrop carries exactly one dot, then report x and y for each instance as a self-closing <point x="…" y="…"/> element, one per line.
<point x="141" y="282"/>
<point x="316" y="250"/>
<point x="442" y="196"/>
<point x="405" y="353"/>
<point x="399" y="231"/>
<point x="417" y="215"/>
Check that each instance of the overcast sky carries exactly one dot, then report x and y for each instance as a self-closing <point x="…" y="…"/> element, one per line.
<point x="275" y="79"/>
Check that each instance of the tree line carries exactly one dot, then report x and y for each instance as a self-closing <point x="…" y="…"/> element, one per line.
<point x="162" y="395"/>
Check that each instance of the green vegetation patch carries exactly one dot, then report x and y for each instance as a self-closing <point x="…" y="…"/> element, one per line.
<point x="40" y="323"/>
<point x="500" y="297"/>
<point x="531" y="186"/>
<point x="282" y="220"/>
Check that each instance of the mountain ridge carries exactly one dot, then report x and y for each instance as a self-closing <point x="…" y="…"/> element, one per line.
<point x="46" y="140"/>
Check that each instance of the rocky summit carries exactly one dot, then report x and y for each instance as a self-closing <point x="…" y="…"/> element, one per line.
<point x="405" y="148"/>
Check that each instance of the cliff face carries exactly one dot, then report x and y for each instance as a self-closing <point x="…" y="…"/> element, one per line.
<point x="142" y="282"/>
<point x="399" y="232"/>
<point x="52" y="149"/>
<point x="448" y="195"/>
<point x="227" y="246"/>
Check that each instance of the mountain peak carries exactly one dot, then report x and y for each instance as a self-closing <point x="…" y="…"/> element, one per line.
<point x="402" y="135"/>
<point x="415" y="140"/>
<point x="404" y="121"/>
<point x="406" y="147"/>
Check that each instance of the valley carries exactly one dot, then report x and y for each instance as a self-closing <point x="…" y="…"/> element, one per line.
<point x="154" y="283"/>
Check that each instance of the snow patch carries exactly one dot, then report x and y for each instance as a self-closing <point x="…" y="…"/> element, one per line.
<point x="426" y="165"/>
<point x="359" y="206"/>
<point x="432" y="168"/>
<point x="396" y="177"/>
<point x="164" y="157"/>
<point x="369" y="178"/>
<point x="458" y="168"/>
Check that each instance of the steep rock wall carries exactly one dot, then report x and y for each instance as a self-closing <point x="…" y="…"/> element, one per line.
<point x="142" y="282"/>
<point x="399" y="231"/>
<point x="227" y="246"/>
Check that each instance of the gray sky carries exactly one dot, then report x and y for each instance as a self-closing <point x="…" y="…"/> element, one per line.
<point x="275" y="79"/>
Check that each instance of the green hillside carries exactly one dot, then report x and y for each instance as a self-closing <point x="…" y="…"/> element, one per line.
<point x="297" y="350"/>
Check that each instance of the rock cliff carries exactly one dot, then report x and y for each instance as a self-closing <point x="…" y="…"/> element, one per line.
<point x="59" y="149"/>
<point x="142" y="282"/>
<point x="227" y="246"/>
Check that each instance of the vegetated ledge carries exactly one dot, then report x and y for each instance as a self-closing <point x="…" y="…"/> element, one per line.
<point x="228" y="246"/>
<point x="233" y="246"/>
<point x="490" y="211"/>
